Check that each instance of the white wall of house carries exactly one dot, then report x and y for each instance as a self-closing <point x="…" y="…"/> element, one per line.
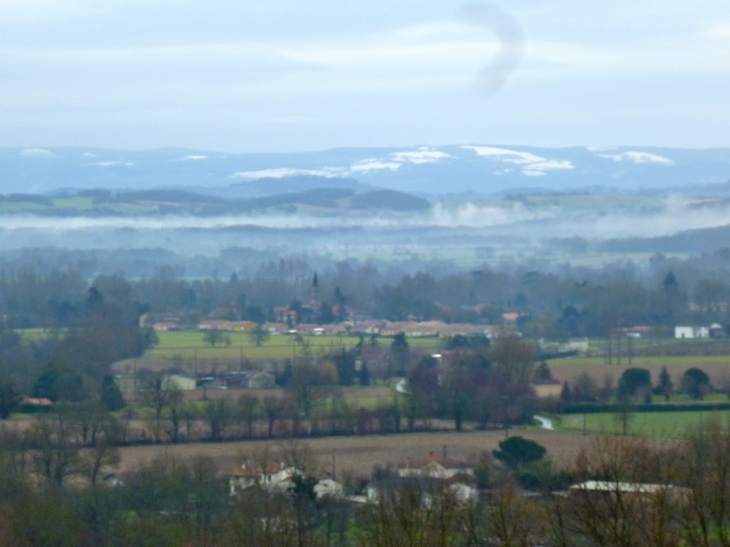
<point x="691" y="332"/>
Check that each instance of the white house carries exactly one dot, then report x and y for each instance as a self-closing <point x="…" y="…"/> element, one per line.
<point x="328" y="487"/>
<point x="435" y="466"/>
<point x="462" y="493"/>
<point x="273" y="477"/>
<point x="691" y="332"/>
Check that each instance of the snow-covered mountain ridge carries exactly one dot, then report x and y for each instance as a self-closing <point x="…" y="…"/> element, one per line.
<point x="425" y="170"/>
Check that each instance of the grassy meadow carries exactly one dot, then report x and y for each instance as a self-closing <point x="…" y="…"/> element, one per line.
<point x="659" y="360"/>
<point x="188" y="344"/>
<point x="664" y="425"/>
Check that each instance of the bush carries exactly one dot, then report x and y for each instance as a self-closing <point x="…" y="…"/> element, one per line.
<point x="695" y="383"/>
<point x="635" y="381"/>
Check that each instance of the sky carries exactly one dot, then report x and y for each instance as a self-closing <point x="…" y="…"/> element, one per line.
<point x="285" y="75"/>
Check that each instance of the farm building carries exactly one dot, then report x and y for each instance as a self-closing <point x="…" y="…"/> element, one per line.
<point x="261" y="380"/>
<point x="42" y="401"/>
<point x="243" y="326"/>
<point x="545" y="391"/>
<point x="276" y="328"/>
<point x="612" y="488"/>
<point x="175" y="381"/>
<point x="371" y="326"/>
<point x="165" y="326"/>
<point x="215" y="324"/>
<point x="328" y="487"/>
<point x="273" y="477"/>
<point x="463" y="493"/>
<point x="308" y="329"/>
<point x="691" y="332"/>
<point x="435" y="466"/>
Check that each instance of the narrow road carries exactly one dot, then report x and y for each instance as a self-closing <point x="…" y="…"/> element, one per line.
<point x="545" y="423"/>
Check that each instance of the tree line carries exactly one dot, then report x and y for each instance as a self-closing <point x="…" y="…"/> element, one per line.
<point x="552" y="302"/>
<point x="619" y="491"/>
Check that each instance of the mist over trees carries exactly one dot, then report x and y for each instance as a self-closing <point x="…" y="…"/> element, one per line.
<point x="566" y="302"/>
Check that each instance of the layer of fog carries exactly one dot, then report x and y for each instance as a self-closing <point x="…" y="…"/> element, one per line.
<point x="665" y="217"/>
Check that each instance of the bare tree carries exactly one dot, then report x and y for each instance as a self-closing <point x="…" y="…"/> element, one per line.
<point x="706" y="470"/>
<point x="635" y="502"/>
<point x="219" y="414"/>
<point x="57" y="454"/>
<point x="157" y="395"/>
<point x="94" y="460"/>
<point x="249" y="407"/>
<point x="515" y="358"/>
<point x="514" y="520"/>
<point x="273" y="408"/>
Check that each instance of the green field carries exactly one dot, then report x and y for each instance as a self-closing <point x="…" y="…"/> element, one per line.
<point x="649" y="424"/>
<point x="662" y="360"/>
<point x="188" y="344"/>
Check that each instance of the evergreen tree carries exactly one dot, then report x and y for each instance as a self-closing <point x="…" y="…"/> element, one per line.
<point x="665" y="387"/>
<point x="10" y="399"/>
<point x="111" y="396"/>
<point x="364" y="375"/>
<point x="566" y="395"/>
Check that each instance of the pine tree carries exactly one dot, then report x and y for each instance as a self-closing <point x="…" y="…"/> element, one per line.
<point x="566" y="395"/>
<point x="665" y="386"/>
<point x="364" y="375"/>
<point x="111" y="396"/>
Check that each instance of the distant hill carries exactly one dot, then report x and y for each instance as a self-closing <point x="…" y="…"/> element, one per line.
<point x="164" y="196"/>
<point x="389" y="200"/>
<point x="328" y="198"/>
<point x="171" y="201"/>
<point x="272" y="186"/>
<point x="704" y="240"/>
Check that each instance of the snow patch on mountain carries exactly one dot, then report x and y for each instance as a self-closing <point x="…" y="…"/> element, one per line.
<point x="282" y="172"/>
<point x="532" y="164"/>
<point x="366" y="166"/>
<point x="638" y="157"/>
<point x="193" y="158"/>
<point x="113" y="164"/>
<point x="37" y="153"/>
<point x="423" y="155"/>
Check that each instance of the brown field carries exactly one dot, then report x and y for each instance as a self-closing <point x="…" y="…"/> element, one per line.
<point x="719" y="372"/>
<point x="360" y="454"/>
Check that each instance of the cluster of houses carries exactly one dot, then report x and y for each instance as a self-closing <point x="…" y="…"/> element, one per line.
<point x="457" y="476"/>
<point x="377" y="327"/>
<point x="434" y="470"/>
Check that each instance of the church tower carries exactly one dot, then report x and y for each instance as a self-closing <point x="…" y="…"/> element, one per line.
<point x="316" y="301"/>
